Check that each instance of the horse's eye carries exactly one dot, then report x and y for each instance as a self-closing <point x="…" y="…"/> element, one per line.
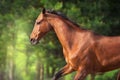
<point x="38" y="22"/>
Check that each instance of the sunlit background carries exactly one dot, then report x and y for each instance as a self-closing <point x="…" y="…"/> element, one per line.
<point x="19" y="60"/>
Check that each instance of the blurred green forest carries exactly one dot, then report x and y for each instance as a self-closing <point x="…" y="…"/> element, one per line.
<point x="19" y="60"/>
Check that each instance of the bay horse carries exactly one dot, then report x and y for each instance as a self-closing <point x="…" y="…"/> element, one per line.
<point x="85" y="51"/>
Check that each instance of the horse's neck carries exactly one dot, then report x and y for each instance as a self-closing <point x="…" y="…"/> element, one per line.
<point x="65" y="31"/>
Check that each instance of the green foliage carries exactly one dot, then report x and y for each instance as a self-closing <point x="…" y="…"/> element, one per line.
<point x="58" y="6"/>
<point x="108" y="76"/>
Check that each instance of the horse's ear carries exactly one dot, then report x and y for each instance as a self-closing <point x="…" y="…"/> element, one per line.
<point x="43" y="11"/>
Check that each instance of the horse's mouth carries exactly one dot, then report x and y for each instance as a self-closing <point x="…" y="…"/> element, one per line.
<point x="34" y="41"/>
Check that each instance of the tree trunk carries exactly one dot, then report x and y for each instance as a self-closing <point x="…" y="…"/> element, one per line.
<point x="11" y="70"/>
<point x="39" y="71"/>
<point x="48" y="71"/>
<point x="2" y="75"/>
<point x="27" y="63"/>
<point x="53" y="71"/>
<point x="92" y="76"/>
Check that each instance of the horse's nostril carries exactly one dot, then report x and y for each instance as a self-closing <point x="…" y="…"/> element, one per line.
<point x="32" y="40"/>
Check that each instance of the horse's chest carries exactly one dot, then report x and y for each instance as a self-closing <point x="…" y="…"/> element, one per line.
<point x="75" y="61"/>
<point x="76" y="56"/>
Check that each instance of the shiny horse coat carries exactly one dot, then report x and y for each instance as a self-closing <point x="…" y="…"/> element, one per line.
<point x="85" y="51"/>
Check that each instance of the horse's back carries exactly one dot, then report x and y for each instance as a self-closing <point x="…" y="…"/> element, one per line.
<point x="107" y="50"/>
<point x="110" y="45"/>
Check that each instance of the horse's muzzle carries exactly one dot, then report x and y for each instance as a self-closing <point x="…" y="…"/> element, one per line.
<point x="33" y="41"/>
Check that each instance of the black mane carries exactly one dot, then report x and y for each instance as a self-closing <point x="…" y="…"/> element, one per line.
<point x="62" y="15"/>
